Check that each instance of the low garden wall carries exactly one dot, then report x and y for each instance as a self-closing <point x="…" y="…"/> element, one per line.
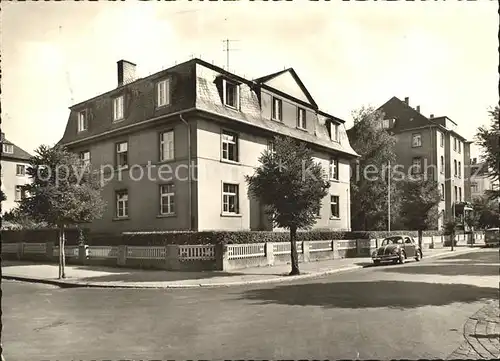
<point x="197" y="257"/>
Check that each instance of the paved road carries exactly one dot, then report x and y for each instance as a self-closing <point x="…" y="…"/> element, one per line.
<point x="417" y="310"/>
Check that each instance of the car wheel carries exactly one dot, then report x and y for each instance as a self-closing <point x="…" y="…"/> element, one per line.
<point x="418" y="257"/>
<point x="376" y="263"/>
<point x="402" y="257"/>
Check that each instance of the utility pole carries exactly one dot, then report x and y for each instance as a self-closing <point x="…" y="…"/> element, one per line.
<point x="227" y="49"/>
<point x="389" y="196"/>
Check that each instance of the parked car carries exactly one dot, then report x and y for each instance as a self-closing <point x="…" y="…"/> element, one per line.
<point x="492" y="237"/>
<point x="397" y="249"/>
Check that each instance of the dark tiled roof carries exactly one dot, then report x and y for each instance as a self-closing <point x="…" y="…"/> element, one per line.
<point x="193" y="88"/>
<point x="18" y="154"/>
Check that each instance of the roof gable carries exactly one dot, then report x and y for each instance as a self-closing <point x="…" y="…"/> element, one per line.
<point x="288" y="82"/>
<point x="18" y="153"/>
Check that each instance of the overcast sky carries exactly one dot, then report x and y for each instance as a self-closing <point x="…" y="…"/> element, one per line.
<point x="442" y="55"/>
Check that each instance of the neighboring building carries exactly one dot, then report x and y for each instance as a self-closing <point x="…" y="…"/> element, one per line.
<point x="14" y="164"/>
<point x="431" y="144"/>
<point x="480" y="180"/>
<point x="220" y="123"/>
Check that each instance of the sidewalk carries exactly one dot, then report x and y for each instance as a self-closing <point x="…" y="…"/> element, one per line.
<point x="95" y="276"/>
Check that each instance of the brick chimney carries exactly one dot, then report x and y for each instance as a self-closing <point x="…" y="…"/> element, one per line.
<point x="407" y="101"/>
<point x="126" y="72"/>
<point x="418" y="108"/>
<point x="432" y="116"/>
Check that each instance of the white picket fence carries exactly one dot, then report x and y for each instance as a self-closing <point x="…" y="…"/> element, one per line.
<point x="135" y="252"/>
<point x="102" y="252"/>
<point x="34" y="248"/>
<point x="320" y="246"/>
<point x="197" y="252"/>
<point x="285" y="248"/>
<point x="239" y="251"/>
<point x="9" y="247"/>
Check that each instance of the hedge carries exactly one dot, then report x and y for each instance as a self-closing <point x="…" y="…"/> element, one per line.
<point x="186" y="237"/>
<point x="43" y="235"/>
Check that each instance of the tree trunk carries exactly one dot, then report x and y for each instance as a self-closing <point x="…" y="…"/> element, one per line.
<point x="452" y="236"/>
<point x="63" y="255"/>
<point x="420" y="234"/>
<point x="61" y="252"/>
<point x="293" y="252"/>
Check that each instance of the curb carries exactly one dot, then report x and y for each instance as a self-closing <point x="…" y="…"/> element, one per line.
<point x="80" y="284"/>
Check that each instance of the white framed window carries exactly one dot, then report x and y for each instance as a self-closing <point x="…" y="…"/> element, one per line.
<point x="459" y="169"/>
<point x="20" y="169"/>
<point x="163" y="93"/>
<point x="82" y="121"/>
<point x="442" y="192"/>
<point x="167" y="145"/>
<point x="167" y="199"/>
<point x="229" y="146"/>
<point x="334" y="131"/>
<point x="85" y="158"/>
<point x="334" y="207"/>
<point x="231" y="94"/>
<point x="416" y="165"/>
<point x="301" y="118"/>
<point x="118" y="108"/>
<point x="442" y="165"/>
<point x="122" y="154"/>
<point x="230" y="198"/>
<point x="456" y="167"/>
<point x="122" y="203"/>
<point x="416" y="140"/>
<point x="8" y="148"/>
<point x="277" y="109"/>
<point x="334" y="168"/>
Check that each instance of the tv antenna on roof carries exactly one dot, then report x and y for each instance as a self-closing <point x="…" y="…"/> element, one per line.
<point x="227" y="49"/>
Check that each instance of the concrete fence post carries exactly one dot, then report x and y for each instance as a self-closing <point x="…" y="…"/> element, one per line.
<point x="49" y="251"/>
<point x="83" y="251"/>
<point x="269" y="250"/>
<point x="121" y="260"/>
<point x="172" y="257"/>
<point x="306" y="249"/>
<point x="221" y="257"/>
<point x="20" y="250"/>
<point x="335" y="247"/>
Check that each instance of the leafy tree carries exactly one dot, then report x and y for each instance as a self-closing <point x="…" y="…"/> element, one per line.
<point x="485" y="213"/>
<point x="420" y="197"/>
<point x="488" y="140"/>
<point x="3" y="197"/>
<point x="290" y="185"/>
<point x="369" y="191"/>
<point x="63" y="192"/>
<point x="21" y="220"/>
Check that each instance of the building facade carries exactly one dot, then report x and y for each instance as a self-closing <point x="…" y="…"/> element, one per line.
<point x="13" y="173"/>
<point x="173" y="149"/>
<point x="480" y="181"/>
<point x="431" y="145"/>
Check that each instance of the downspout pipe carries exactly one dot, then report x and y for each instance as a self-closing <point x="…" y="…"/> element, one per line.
<point x="190" y="193"/>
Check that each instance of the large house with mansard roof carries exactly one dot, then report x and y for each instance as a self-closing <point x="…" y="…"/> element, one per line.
<point x="196" y="116"/>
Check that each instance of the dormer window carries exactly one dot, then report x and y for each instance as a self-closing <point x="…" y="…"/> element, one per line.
<point x="8" y="148"/>
<point x="82" y="121"/>
<point x="163" y="93"/>
<point x="231" y="94"/>
<point x="334" y="131"/>
<point x="118" y="108"/>
<point x="277" y="111"/>
<point x="301" y="118"/>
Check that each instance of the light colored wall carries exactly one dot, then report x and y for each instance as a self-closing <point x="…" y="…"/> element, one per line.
<point x="212" y="172"/>
<point x="9" y="182"/>
<point x="441" y="173"/>
<point x="143" y="148"/>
